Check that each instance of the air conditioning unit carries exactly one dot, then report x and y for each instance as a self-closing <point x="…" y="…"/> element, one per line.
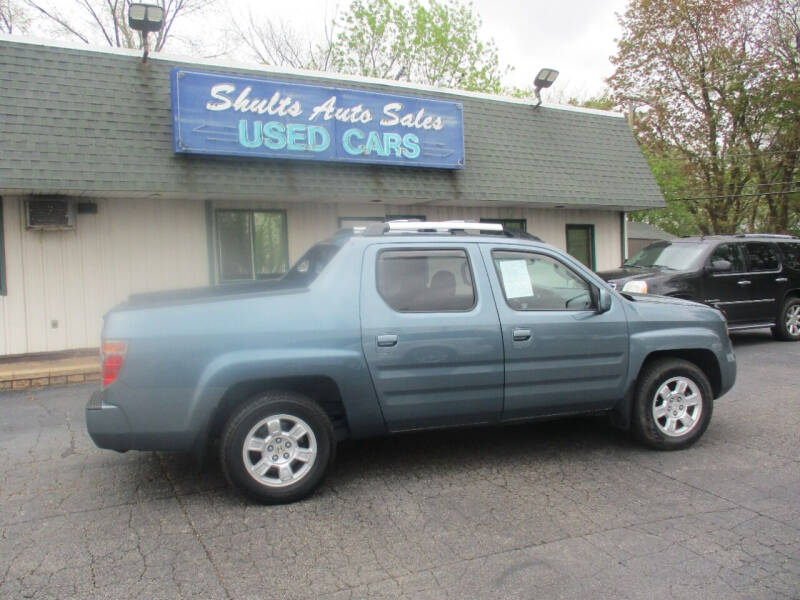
<point x="49" y="213"/>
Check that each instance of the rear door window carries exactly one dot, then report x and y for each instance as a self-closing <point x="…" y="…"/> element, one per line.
<point x="791" y="254"/>
<point x="762" y="256"/>
<point x="426" y="280"/>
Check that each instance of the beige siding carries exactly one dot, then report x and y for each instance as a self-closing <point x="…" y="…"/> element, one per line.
<point x="60" y="283"/>
<point x="548" y="224"/>
<point x="309" y="223"/>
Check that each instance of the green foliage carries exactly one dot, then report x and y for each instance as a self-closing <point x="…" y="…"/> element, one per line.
<point x="715" y="87"/>
<point x="601" y="102"/>
<point x="434" y="42"/>
<point x="677" y="218"/>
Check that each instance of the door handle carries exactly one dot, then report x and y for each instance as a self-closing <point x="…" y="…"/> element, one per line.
<point x="781" y="280"/>
<point x="387" y="340"/>
<point x="521" y="335"/>
<point x="743" y="282"/>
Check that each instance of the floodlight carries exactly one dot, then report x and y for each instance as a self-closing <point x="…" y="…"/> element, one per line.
<point x="146" y="17"/>
<point x="544" y="79"/>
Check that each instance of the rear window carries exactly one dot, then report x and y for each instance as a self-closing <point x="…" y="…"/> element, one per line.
<point x="426" y="280"/>
<point x="311" y="264"/>
<point x="762" y="256"/>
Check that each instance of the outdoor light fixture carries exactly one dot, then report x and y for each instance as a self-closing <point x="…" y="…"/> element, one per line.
<point x="544" y="79"/>
<point x="145" y="18"/>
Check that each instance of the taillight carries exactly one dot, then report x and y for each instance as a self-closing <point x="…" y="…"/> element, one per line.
<point x="113" y="353"/>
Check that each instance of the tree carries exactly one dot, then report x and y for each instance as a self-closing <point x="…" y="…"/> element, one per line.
<point x="107" y="20"/>
<point x="676" y="217"/>
<point x="277" y="44"/>
<point x="773" y="133"/>
<point x="13" y="18"/>
<point x="434" y="42"/>
<point x="709" y="80"/>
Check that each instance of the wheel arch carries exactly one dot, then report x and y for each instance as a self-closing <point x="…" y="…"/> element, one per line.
<point x="321" y="389"/>
<point x="792" y="293"/>
<point x="702" y="358"/>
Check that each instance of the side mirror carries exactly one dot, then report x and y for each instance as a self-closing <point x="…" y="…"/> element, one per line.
<point x="603" y="301"/>
<point x="719" y="266"/>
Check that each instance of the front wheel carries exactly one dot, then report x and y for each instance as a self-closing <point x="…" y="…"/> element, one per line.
<point x="276" y="447"/>
<point x="673" y="404"/>
<point x="788" y="326"/>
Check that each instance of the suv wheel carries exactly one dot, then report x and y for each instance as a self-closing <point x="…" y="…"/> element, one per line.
<point x="673" y="404"/>
<point x="788" y="326"/>
<point x="276" y="447"/>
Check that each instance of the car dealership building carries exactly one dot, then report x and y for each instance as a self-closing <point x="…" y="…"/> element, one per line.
<point x="118" y="176"/>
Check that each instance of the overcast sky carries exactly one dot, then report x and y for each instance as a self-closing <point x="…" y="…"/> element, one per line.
<point x="574" y="36"/>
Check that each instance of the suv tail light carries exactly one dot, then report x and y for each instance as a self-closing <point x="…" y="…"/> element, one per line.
<point x="113" y="355"/>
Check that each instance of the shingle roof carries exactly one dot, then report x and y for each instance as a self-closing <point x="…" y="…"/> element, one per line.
<point x="644" y="231"/>
<point x="76" y="120"/>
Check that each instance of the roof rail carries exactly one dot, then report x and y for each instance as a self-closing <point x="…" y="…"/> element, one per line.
<point x="445" y="226"/>
<point x="777" y="236"/>
<point x="451" y="227"/>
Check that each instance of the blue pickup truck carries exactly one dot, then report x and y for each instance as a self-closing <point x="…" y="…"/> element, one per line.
<point x="398" y="327"/>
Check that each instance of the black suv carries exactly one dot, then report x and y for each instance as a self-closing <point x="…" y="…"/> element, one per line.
<point x="753" y="279"/>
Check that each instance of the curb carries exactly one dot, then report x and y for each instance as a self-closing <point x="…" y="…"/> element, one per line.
<point x="39" y="378"/>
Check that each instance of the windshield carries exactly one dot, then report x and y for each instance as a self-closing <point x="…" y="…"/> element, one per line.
<point x="311" y="264"/>
<point x="666" y="255"/>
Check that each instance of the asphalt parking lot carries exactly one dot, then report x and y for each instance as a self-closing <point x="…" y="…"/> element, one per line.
<point x="568" y="509"/>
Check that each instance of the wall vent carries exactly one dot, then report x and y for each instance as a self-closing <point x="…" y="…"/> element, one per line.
<point x="49" y="213"/>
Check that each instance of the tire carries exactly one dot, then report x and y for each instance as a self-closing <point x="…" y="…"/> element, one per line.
<point x="787" y="328"/>
<point x="667" y="384"/>
<point x="292" y="443"/>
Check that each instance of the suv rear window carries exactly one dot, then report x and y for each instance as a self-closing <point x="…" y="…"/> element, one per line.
<point x="762" y="256"/>
<point x="426" y="280"/>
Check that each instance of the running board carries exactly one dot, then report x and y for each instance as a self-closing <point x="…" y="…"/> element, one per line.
<point x="755" y="326"/>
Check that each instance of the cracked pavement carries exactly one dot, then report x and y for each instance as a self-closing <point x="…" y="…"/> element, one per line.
<point x="561" y="509"/>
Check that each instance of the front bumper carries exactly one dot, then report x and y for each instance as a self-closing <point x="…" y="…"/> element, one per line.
<point x="727" y="371"/>
<point x="107" y="424"/>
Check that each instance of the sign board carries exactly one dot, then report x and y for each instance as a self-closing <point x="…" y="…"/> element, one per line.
<point x="221" y="114"/>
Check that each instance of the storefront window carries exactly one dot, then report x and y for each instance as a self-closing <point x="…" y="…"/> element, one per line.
<point x="580" y="243"/>
<point x="251" y="244"/>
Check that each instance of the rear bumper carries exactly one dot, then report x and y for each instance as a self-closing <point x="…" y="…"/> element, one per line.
<point x="107" y="424"/>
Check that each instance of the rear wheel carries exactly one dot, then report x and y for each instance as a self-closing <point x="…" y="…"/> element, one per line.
<point x="788" y="326"/>
<point x="673" y="404"/>
<point x="276" y="447"/>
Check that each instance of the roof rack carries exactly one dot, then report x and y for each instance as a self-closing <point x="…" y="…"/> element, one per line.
<point x="451" y="227"/>
<point x="778" y="236"/>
